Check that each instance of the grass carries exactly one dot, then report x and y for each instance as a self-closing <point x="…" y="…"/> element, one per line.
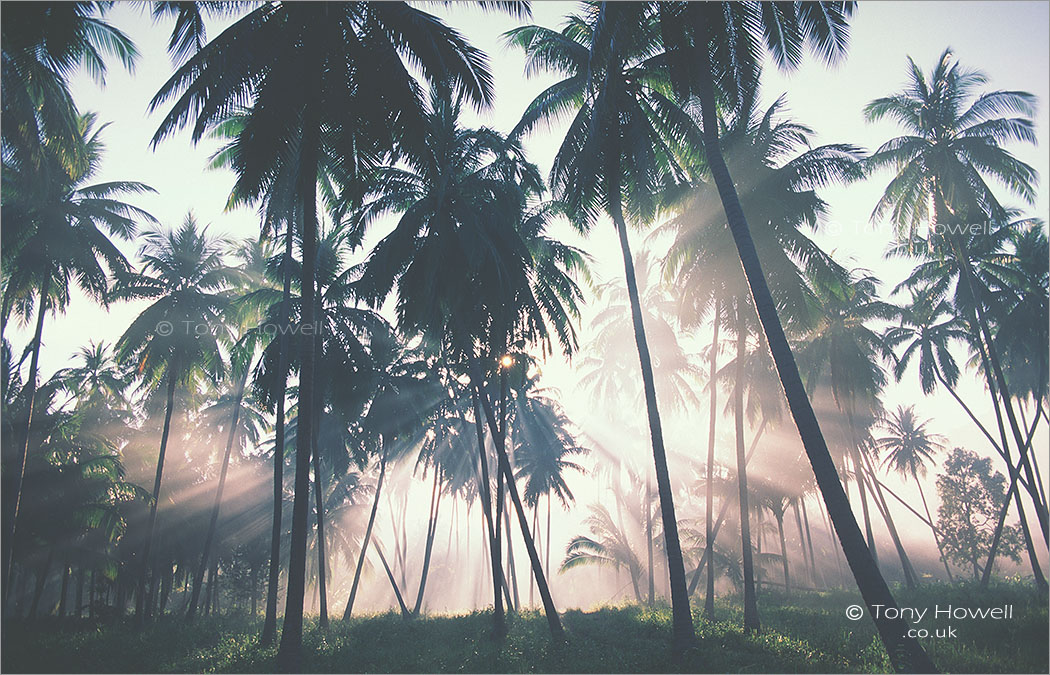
<point x="803" y="632"/>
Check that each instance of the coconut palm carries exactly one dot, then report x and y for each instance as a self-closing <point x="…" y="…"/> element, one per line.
<point x="622" y="138"/>
<point x="909" y="446"/>
<point x="174" y="341"/>
<point x="954" y="145"/>
<point x="361" y="94"/>
<point x="56" y="237"/>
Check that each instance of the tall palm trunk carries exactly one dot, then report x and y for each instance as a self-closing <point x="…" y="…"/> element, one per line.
<point x="709" y="597"/>
<point x="214" y="522"/>
<point x="368" y="532"/>
<point x="405" y="614"/>
<point x="63" y="591"/>
<point x="547" y="557"/>
<point x="751" y="620"/>
<point x="41" y="580"/>
<point x="512" y="572"/>
<point x="649" y="539"/>
<point x="809" y="545"/>
<point x="936" y="537"/>
<point x="499" y="620"/>
<point x="910" y="576"/>
<point x="269" y="633"/>
<point x="783" y="550"/>
<point x="142" y="602"/>
<point x="289" y="654"/>
<point x="681" y="617"/>
<point x="905" y="653"/>
<point x="806" y="560"/>
<point x="553" y="621"/>
<point x="858" y="477"/>
<point x="435" y="505"/>
<point x="15" y="493"/>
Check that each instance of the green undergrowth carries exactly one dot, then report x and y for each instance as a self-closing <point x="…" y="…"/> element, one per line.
<point x="801" y="632"/>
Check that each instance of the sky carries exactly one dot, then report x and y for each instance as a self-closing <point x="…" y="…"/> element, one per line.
<point x="1008" y="41"/>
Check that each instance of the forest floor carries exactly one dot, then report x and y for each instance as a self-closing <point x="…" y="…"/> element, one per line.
<point x="803" y="632"/>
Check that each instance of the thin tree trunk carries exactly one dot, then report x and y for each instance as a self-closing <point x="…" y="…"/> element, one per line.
<point x="709" y="597"/>
<point x="142" y="602"/>
<point x="289" y="654"/>
<point x="214" y="522"/>
<point x="681" y="617"/>
<point x="548" y="557"/>
<point x="80" y="593"/>
<point x="783" y="551"/>
<point x="802" y="543"/>
<point x="512" y="572"/>
<point x="405" y="614"/>
<point x="751" y="620"/>
<point x="322" y="577"/>
<point x="269" y="633"/>
<point x="905" y="652"/>
<point x="858" y="474"/>
<point x="368" y="532"/>
<point x="64" y="591"/>
<point x="15" y="499"/>
<point x="41" y="580"/>
<point x="809" y="545"/>
<point x="936" y="538"/>
<point x="435" y="505"/>
<point x="547" y="562"/>
<point x="910" y="577"/>
<point x="649" y="539"/>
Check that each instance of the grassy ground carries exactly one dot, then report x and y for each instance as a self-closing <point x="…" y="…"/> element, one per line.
<point x="806" y="632"/>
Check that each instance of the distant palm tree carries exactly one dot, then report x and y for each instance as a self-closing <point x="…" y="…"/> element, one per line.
<point x="954" y="142"/>
<point x="56" y="236"/>
<point x="909" y="446"/>
<point x="607" y="545"/>
<point x="174" y="341"/>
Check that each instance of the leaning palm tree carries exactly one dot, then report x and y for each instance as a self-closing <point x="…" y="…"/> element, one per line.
<point x="174" y="341"/>
<point x="909" y="446"/>
<point x="954" y="145"/>
<point x="713" y="51"/>
<point x="330" y="80"/>
<point x="623" y="136"/>
<point x="56" y="237"/>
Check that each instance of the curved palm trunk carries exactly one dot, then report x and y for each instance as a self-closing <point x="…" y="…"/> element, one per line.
<point x="11" y="512"/>
<point x="289" y="654"/>
<point x="213" y="523"/>
<point x="709" y="598"/>
<point x="368" y="534"/>
<point x="751" y="620"/>
<point x="681" y="617"/>
<point x="553" y="621"/>
<point x="269" y="633"/>
<point x="499" y="620"/>
<point x="905" y="653"/>
<point x="142" y="602"/>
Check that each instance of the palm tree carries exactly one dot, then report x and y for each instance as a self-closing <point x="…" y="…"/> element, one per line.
<point x="713" y="52"/>
<point x="174" y="341"/>
<point x="621" y="138"/>
<point x="909" y="446"/>
<point x="55" y="238"/>
<point x="955" y="141"/>
<point x="608" y="544"/>
<point x="358" y="90"/>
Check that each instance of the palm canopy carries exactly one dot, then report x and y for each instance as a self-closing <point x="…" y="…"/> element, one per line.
<point x="470" y="260"/>
<point x="908" y="442"/>
<point x="178" y="335"/>
<point x="927" y="330"/>
<point x="954" y="140"/>
<point x="59" y="224"/>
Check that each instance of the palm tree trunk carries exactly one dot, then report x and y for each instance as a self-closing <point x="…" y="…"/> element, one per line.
<point x="681" y="617"/>
<point x="547" y="558"/>
<point x="214" y="522"/>
<point x="751" y="620"/>
<point x="15" y="492"/>
<point x="142" y="602"/>
<point x="858" y="475"/>
<point x="535" y="534"/>
<point x="368" y="533"/>
<point x="910" y="576"/>
<point x="269" y="633"/>
<point x="41" y="580"/>
<point x="63" y="592"/>
<point x="553" y="621"/>
<point x="809" y="545"/>
<point x="289" y="655"/>
<point x="802" y="543"/>
<point x="405" y="614"/>
<point x="80" y="593"/>
<point x="649" y="538"/>
<point x="709" y="597"/>
<point x="499" y="622"/>
<point x="435" y="504"/>
<point x="905" y="653"/>
<point x="512" y="572"/>
<point x="783" y="551"/>
<point x="322" y="559"/>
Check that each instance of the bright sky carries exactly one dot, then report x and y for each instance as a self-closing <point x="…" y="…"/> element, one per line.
<point x="1007" y="40"/>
